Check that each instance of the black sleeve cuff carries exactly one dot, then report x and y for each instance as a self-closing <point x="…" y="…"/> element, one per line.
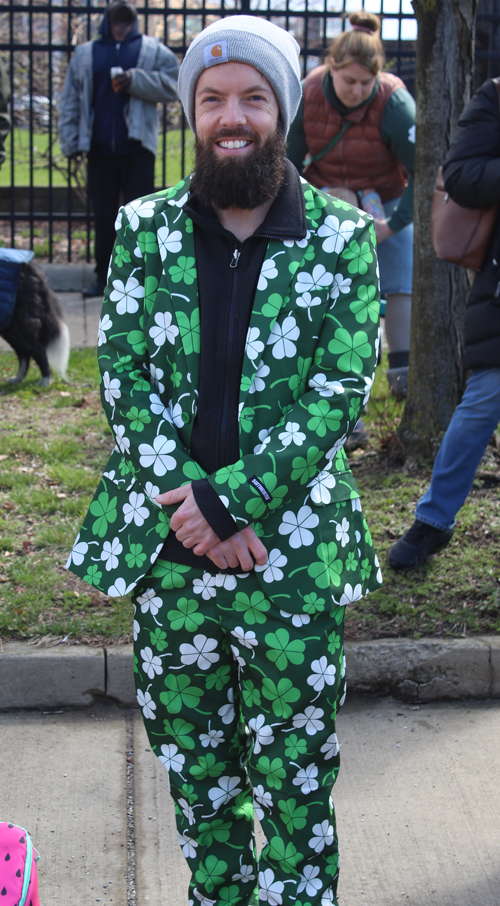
<point x="217" y="515"/>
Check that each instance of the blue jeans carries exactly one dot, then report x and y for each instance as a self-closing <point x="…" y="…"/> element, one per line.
<point x="461" y="450"/>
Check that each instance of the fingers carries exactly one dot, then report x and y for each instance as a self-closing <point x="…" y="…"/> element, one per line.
<point x="255" y="546"/>
<point x="176" y="495"/>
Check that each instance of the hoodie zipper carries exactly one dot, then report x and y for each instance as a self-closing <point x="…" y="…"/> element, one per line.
<point x="228" y="372"/>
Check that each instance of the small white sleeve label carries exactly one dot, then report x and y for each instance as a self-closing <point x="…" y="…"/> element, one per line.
<point x="215" y="53"/>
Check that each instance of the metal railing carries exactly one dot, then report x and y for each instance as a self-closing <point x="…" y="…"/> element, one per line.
<point x="43" y="200"/>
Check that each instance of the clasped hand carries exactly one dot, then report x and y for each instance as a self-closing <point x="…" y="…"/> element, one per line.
<point x="192" y="529"/>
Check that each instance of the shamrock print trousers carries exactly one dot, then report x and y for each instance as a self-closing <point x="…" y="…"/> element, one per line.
<point x="239" y="702"/>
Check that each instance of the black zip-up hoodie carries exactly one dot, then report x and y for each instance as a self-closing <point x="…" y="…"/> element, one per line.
<point x="228" y="273"/>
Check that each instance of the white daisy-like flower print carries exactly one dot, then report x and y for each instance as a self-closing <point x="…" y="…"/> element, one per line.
<point x="112" y="390"/>
<point x="254" y="347"/>
<point x="331" y="747"/>
<point x="282" y="338"/>
<point x="323" y="836"/>
<point x="299" y="527"/>
<point x="258" y="384"/>
<point x="126" y="295"/>
<point x="268" y="272"/>
<point x="321" y="485"/>
<point x="309" y="283"/>
<point x="325" y="387"/>
<point x="172" y="758"/>
<point x="202" y="652"/>
<point x="226" y="790"/>
<point x="136" y="209"/>
<point x="310" y="720"/>
<point x="110" y="553"/>
<point x="273" y="569"/>
<point x="163" y="330"/>
<point x="149" y="601"/>
<point x="322" y="674"/>
<point x="205" y="586"/>
<point x="105" y="324"/>
<point x="147" y="704"/>
<point x="336" y="234"/>
<point x="151" y="663"/>
<point x="306" y="779"/>
<point x="157" y="456"/>
<point x="270" y="890"/>
<point x="342" y="532"/>
<point x="292" y="435"/>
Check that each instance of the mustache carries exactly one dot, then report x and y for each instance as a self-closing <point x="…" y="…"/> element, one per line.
<point x="238" y="132"/>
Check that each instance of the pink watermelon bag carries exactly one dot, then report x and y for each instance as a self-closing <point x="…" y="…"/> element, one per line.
<point x="18" y="858"/>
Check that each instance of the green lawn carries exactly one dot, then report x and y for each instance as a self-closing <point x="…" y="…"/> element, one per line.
<point x="53" y="446"/>
<point x="59" y="169"/>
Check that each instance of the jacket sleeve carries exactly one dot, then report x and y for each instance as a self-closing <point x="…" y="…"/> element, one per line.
<point x="4" y="110"/>
<point x="143" y="427"/>
<point x="296" y="139"/>
<point x="69" y="110"/>
<point x="336" y="387"/>
<point x="472" y="168"/>
<point x="158" y="86"/>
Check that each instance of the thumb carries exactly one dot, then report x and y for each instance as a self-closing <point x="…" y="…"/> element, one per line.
<point x="176" y="495"/>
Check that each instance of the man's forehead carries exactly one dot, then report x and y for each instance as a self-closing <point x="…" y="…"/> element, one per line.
<point x="227" y="75"/>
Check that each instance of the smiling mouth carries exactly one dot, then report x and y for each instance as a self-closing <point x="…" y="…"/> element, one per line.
<point x="231" y="145"/>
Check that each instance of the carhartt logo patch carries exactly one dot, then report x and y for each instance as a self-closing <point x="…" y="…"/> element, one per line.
<point x="261" y="488"/>
<point x="215" y="53"/>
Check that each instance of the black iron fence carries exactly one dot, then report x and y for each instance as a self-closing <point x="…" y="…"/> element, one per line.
<point x="43" y="199"/>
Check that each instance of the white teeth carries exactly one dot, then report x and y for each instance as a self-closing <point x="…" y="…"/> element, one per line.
<point x="236" y="144"/>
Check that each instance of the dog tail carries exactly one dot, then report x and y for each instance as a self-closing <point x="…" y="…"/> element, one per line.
<point x="58" y="350"/>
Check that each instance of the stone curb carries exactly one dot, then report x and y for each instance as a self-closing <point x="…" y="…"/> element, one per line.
<point x="417" y="671"/>
<point x="68" y="278"/>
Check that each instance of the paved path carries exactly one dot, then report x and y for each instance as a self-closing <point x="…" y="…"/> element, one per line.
<point x="416" y="800"/>
<point x="82" y="316"/>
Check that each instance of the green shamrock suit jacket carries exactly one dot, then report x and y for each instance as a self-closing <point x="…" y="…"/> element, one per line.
<point x="308" y="369"/>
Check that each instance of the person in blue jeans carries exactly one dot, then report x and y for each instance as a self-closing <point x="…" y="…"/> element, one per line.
<point x="472" y="178"/>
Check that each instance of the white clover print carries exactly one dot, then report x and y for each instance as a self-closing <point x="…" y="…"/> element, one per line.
<point x="152" y="491"/>
<point x="172" y="758"/>
<point x="187" y="845"/>
<point x="126" y="295"/>
<point x="309" y="881"/>
<point x="321" y="485"/>
<point x="336" y="234"/>
<point x="253" y="346"/>
<point x="308" y="301"/>
<point x="264" y="438"/>
<point x="164" y="329"/>
<point x="110" y="553"/>
<point x="156" y="378"/>
<point x="322" y="674"/>
<point x="270" y="890"/>
<point x="151" y="663"/>
<point x="263" y="733"/>
<point x="79" y="552"/>
<point x="263" y="797"/>
<point x="136" y="209"/>
<point x="120" y="588"/>
<point x="300" y="243"/>
<point x="258" y="384"/>
<point x="282" y="338"/>
<point x="245" y="874"/>
<point x="158" y="407"/>
<point x="309" y="283"/>
<point x="157" y="456"/>
<point x="245" y="637"/>
<point x="226" y="790"/>
<point x="213" y="738"/>
<point x="350" y="595"/>
<point x="310" y="720"/>
<point x="268" y="271"/>
<point x="273" y="569"/>
<point x="167" y="241"/>
<point x="331" y="747"/>
<point x="147" y="704"/>
<point x="325" y="387"/>
<point x="306" y="779"/>
<point x="292" y="435"/>
<point x="298" y="619"/>
<point x="299" y="527"/>
<point x="112" y="390"/>
<point x="226" y="712"/>
<point x="341" y="284"/>
<point x="149" y="602"/>
<point x="342" y="532"/>
<point x="201" y="652"/>
<point x="122" y="442"/>
<point x="105" y="324"/>
<point x="324" y="835"/>
<point x="134" y="511"/>
<point x="205" y="586"/>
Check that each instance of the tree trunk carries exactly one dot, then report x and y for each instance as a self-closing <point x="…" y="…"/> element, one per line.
<point x="444" y="72"/>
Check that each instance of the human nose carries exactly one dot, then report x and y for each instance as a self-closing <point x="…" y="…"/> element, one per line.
<point x="233" y="114"/>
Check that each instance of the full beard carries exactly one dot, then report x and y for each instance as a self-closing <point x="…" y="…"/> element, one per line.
<point x="244" y="182"/>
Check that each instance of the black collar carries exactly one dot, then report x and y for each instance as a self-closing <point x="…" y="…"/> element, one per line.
<point x="286" y="218"/>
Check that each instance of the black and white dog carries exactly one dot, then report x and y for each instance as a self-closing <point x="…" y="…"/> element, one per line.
<point x="37" y="329"/>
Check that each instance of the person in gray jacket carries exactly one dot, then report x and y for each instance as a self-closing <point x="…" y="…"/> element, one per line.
<point x="114" y="121"/>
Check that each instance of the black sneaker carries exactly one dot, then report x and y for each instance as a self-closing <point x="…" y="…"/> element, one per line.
<point x="416" y="544"/>
<point x="96" y="288"/>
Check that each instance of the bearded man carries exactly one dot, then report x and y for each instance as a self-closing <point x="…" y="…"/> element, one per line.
<point x="237" y="346"/>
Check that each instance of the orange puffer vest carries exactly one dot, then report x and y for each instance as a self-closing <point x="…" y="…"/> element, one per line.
<point x="360" y="159"/>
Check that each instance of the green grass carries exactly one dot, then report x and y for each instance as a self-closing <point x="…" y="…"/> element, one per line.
<point x="55" y="442"/>
<point x="22" y="172"/>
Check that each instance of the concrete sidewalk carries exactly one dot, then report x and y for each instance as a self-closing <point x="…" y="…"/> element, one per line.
<point x="416" y="802"/>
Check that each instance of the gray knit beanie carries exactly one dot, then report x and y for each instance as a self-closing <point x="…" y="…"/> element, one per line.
<point x="245" y="39"/>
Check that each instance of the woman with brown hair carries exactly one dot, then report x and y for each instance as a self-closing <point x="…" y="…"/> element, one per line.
<point x="355" y="130"/>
